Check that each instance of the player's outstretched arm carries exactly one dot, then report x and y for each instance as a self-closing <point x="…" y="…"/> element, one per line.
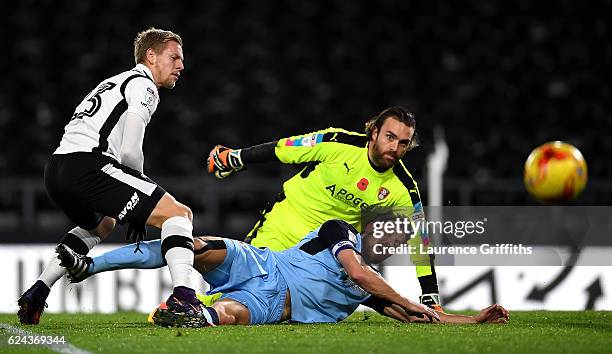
<point x="373" y="283"/>
<point x="319" y="146"/>
<point x="492" y="314"/>
<point x="387" y="308"/>
<point x="223" y="161"/>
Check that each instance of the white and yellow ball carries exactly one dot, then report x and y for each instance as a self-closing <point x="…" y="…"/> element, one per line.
<point x="555" y="172"/>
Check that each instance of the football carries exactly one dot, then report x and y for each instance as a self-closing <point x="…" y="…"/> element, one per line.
<point x="555" y="172"/>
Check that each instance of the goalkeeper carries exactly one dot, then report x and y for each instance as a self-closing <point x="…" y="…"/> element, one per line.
<point x="345" y="173"/>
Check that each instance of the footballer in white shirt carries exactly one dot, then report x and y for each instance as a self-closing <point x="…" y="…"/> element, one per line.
<point x="96" y="175"/>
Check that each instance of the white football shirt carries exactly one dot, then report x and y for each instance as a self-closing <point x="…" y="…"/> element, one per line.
<point x="98" y="121"/>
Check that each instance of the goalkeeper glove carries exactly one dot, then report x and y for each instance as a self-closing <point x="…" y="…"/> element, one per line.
<point x="431" y="300"/>
<point x="223" y="161"/>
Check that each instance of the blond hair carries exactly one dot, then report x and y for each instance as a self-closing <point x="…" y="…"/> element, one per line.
<point x="155" y="39"/>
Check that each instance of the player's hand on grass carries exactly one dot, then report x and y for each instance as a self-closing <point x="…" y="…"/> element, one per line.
<point x="493" y="314"/>
<point x="421" y="311"/>
<point x="223" y="161"/>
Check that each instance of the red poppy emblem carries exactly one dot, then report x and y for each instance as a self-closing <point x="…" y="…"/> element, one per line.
<point x="363" y="184"/>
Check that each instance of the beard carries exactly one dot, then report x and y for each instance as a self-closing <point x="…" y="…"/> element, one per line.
<point x="383" y="159"/>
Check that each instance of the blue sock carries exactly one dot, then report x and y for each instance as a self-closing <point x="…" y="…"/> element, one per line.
<point x="125" y="258"/>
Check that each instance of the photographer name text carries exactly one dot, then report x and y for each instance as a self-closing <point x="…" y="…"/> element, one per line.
<point x="483" y="249"/>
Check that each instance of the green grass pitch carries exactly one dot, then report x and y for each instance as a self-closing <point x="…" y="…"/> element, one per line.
<point x="527" y="332"/>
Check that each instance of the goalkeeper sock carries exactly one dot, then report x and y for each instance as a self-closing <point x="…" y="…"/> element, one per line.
<point x="427" y="279"/>
<point x="125" y="257"/>
<point x="177" y="250"/>
<point x="80" y="241"/>
<point x="209" y="300"/>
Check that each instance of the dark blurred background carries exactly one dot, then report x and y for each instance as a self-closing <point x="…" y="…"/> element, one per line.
<point x="499" y="77"/>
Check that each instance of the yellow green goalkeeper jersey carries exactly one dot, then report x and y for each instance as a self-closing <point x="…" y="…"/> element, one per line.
<point x="337" y="183"/>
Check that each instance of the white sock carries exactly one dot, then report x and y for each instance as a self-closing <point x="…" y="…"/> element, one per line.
<point x="53" y="271"/>
<point x="179" y="259"/>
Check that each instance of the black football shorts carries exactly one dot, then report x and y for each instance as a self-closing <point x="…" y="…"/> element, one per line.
<point x="88" y="186"/>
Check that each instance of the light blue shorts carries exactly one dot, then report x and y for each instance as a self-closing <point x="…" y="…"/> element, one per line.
<point x="249" y="275"/>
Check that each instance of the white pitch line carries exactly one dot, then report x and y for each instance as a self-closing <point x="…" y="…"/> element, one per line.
<point x="65" y="348"/>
